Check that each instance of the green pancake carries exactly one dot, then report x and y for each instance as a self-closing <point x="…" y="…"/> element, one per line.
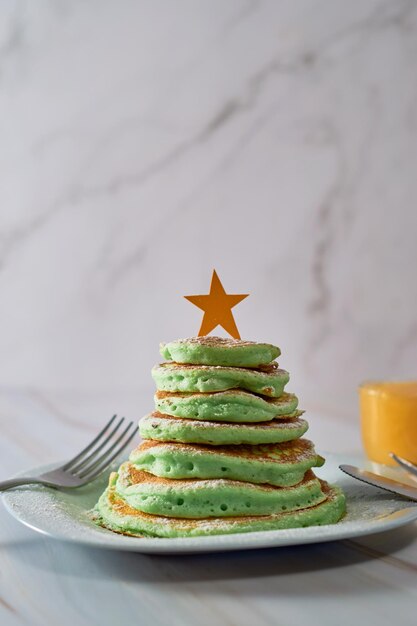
<point x="218" y="351"/>
<point x="220" y="497"/>
<point x="222" y="452"/>
<point x="165" y="428"/>
<point x="267" y="380"/>
<point x="114" y="513"/>
<point x="281" y="464"/>
<point x="234" y="405"/>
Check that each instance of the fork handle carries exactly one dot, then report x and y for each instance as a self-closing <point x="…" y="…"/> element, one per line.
<point x="17" y="482"/>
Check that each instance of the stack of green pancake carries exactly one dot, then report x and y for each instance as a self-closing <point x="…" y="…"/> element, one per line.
<point x="223" y="451"/>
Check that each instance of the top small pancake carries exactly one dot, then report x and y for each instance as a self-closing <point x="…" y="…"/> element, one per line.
<point x="209" y="350"/>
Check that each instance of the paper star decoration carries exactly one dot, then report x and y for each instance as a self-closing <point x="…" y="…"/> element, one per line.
<point x="217" y="307"/>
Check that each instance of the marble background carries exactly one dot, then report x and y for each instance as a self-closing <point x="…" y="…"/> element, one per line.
<point x="145" y="142"/>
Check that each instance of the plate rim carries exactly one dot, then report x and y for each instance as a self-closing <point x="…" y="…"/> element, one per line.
<point x="215" y="543"/>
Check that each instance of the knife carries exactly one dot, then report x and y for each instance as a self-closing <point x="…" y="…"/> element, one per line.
<point x="380" y="481"/>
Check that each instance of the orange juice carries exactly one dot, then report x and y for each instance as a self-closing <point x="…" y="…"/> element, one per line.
<point x="389" y="420"/>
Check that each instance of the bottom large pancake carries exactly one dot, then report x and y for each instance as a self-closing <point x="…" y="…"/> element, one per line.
<point x="280" y="464"/>
<point x="194" y="498"/>
<point x="114" y="513"/>
<point x="166" y="428"/>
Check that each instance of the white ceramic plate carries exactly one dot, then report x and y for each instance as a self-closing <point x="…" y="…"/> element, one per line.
<point x="63" y="515"/>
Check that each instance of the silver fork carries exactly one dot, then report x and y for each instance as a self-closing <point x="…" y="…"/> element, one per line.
<point x="411" y="468"/>
<point x="85" y="466"/>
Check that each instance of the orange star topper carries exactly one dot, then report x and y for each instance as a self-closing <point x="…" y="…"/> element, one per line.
<point x="217" y="307"/>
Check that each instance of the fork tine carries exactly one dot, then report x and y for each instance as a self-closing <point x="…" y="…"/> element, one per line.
<point x="90" y="457"/>
<point x="105" y="454"/>
<point x="90" y="445"/>
<point x="106" y="464"/>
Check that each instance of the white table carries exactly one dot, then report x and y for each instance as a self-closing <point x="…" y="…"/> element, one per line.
<point x="46" y="582"/>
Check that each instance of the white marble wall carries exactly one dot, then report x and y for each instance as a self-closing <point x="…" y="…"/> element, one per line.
<point x="145" y="142"/>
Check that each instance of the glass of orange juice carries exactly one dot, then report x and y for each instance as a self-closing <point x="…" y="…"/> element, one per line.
<point x="389" y="420"/>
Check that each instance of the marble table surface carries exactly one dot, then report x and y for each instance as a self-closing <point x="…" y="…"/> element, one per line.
<point x="372" y="580"/>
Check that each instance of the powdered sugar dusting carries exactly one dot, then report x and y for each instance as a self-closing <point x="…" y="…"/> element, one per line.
<point x="65" y="515"/>
<point x="212" y="340"/>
